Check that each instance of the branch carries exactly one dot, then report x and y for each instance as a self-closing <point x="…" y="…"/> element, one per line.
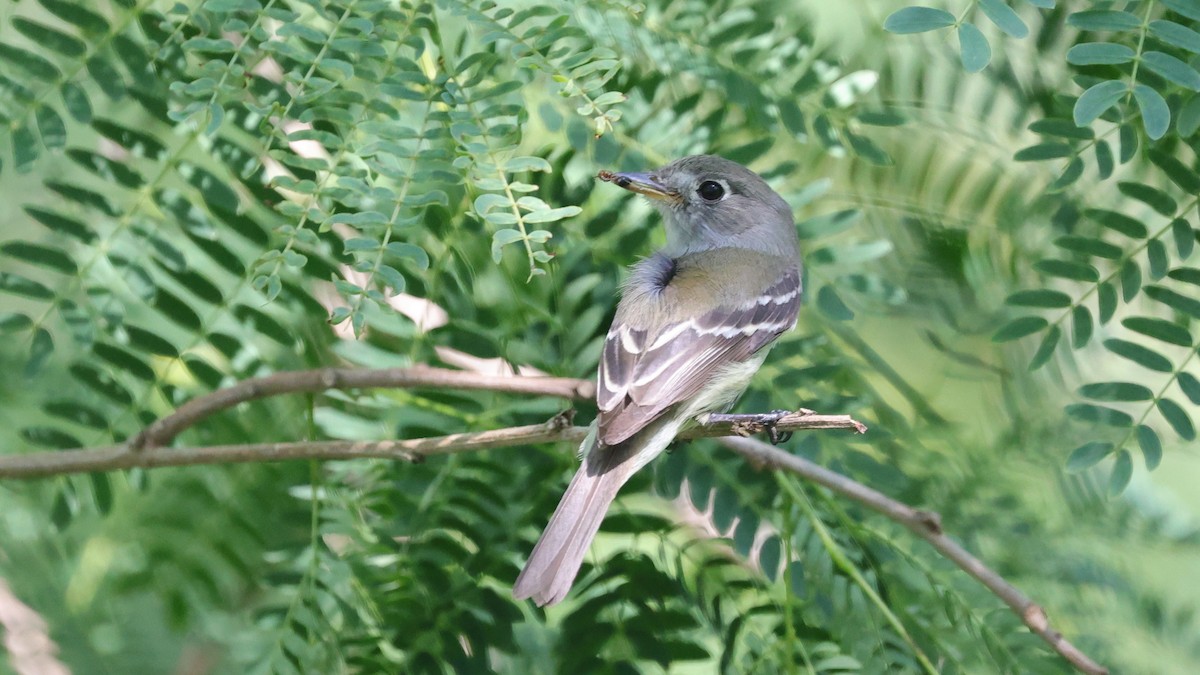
<point x="111" y="458"/>
<point x="163" y="431"/>
<point x="926" y="525"/>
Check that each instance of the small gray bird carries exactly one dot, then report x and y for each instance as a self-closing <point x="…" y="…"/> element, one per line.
<point x="693" y="326"/>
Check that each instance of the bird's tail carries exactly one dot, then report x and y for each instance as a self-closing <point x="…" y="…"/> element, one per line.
<point x="559" y="552"/>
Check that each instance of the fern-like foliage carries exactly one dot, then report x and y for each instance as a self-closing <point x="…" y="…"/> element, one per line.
<point x="1121" y="259"/>
<point x="210" y="190"/>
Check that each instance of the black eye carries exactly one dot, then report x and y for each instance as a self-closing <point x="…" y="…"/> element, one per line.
<point x="710" y="190"/>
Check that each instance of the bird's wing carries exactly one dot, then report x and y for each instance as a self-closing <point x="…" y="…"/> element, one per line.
<point x="643" y="373"/>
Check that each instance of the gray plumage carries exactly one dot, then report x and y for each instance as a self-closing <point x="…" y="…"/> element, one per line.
<point x="693" y="325"/>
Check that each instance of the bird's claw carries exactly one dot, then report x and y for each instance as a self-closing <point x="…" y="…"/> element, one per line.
<point x="773" y="434"/>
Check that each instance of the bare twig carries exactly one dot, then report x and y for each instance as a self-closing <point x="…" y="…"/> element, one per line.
<point x="111" y="458"/>
<point x="926" y="525"/>
<point x="163" y="431"/>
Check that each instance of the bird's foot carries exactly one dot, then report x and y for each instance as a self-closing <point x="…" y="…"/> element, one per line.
<point x="747" y="424"/>
<point x="773" y="434"/>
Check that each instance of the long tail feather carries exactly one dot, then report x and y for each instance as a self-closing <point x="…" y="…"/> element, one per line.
<point x="559" y="552"/>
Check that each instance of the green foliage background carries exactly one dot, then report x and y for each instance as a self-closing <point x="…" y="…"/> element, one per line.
<point x="200" y="192"/>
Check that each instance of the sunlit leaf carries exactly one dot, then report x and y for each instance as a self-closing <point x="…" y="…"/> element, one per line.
<point x="974" y="50"/>
<point x="917" y="20"/>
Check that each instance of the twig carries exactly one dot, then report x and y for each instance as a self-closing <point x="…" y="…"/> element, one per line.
<point x="111" y="458"/>
<point x="163" y="431"/>
<point x="926" y="525"/>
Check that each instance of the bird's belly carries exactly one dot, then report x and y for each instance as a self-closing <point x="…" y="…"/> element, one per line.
<point x="724" y="388"/>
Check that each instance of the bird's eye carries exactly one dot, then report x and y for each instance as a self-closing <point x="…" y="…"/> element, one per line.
<point x="710" y="190"/>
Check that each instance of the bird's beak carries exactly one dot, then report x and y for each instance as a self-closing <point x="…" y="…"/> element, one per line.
<point x="641" y="183"/>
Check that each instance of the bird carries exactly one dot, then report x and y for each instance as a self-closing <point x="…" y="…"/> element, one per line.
<point x="694" y="323"/>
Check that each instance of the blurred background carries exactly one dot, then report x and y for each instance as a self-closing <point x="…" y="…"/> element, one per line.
<point x="998" y="285"/>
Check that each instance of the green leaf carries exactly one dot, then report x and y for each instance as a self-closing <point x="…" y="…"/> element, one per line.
<point x="31" y="63"/>
<point x="768" y="557"/>
<point x="1122" y="471"/>
<point x="106" y="77"/>
<point x="1090" y="246"/>
<point x="1131" y="280"/>
<point x="501" y="239"/>
<point x="515" y="164"/>
<point x="1070" y="174"/>
<point x="1177" y="171"/>
<point x="1046" y="349"/>
<point x="1184" y="236"/>
<point x="1172" y="69"/>
<point x="831" y="304"/>
<point x="1155" y="113"/>
<point x="76" y="101"/>
<point x="1104" y="20"/>
<point x="1106" y="301"/>
<point x="1178" y="418"/>
<point x="1118" y="222"/>
<point x="13" y="322"/>
<point x="1190" y="386"/>
<point x="1104" y="159"/>
<point x="1174" y="34"/>
<point x="76" y="14"/>
<point x="1116" y="391"/>
<point x="1043" y="297"/>
<point x="974" y="51"/>
<point x="1042" y="151"/>
<point x="1081" y="322"/>
<point x="1051" y="126"/>
<point x="1140" y="355"/>
<point x="40" y="349"/>
<point x="1098" y="414"/>
<point x="1188" y="8"/>
<point x="868" y="149"/>
<point x="1150" y="196"/>
<point x="1129" y="142"/>
<point x="1093" y="53"/>
<point x="1189" y="118"/>
<point x="410" y="252"/>
<point x="1019" y="328"/>
<point x="1097" y="99"/>
<point x="152" y="343"/>
<point x="1151" y="446"/>
<point x="1004" y="17"/>
<point x="1066" y="269"/>
<point x="23" y="286"/>
<point x="1188" y="275"/>
<point x="1156" y="256"/>
<point x="1159" y="329"/>
<point x="1174" y="300"/>
<point x="1088" y="455"/>
<point x="917" y="20"/>
<point x="36" y="254"/>
<point x="50" y="38"/>
<point x="25" y="149"/>
<point x="551" y="215"/>
<point x="51" y="128"/>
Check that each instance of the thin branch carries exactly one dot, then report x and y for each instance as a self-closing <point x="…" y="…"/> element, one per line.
<point x="116" y="457"/>
<point x="163" y="431"/>
<point x="926" y="525"/>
